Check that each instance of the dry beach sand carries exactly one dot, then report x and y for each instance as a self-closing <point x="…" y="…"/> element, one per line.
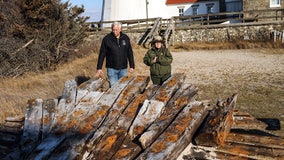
<point x="257" y="76"/>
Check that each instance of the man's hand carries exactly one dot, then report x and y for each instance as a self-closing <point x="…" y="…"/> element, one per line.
<point x="131" y="70"/>
<point x="99" y="73"/>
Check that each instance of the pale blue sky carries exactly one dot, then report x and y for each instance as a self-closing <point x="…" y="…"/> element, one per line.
<point x="92" y="8"/>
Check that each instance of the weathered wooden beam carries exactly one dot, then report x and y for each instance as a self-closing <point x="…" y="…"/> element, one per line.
<point x="97" y="114"/>
<point x="240" y="146"/>
<point x="86" y="117"/>
<point x="133" y="89"/>
<point x="254" y="145"/>
<point x="55" y="120"/>
<point x="154" y="107"/>
<point x="181" y="98"/>
<point x="218" y="124"/>
<point x="32" y="126"/>
<point x="203" y="152"/>
<point x="128" y="150"/>
<point x="252" y="152"/>
<point x="71" y="121"/>
<point x="13" y="128"/>
<point x="94" y="84"/>
<point x="148" y="113"/>
<point x="178" y="135"/>
<point x="65" y="105"/>
<point x="272" y="142"/>
<point x="80" y="95"/>
<point x="65" y="150"/>
<point x="55" y="138"/>
<point x="126" y="119"/>
<point x="70" y="105"/>
<point x="118" y="129"/>
<point x="14" y="124"/>
<point x="131" y="92"/>
<point x="48" y="116"/>
<point x="108" y="143"/>
<point x="68" y="98"/>
<point x="46" y="147"/>
<point x="243" y="120"/>
<point x="18" y="118"/>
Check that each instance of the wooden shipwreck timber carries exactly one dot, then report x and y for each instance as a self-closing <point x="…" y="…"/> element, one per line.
<point x="133" y="120"/>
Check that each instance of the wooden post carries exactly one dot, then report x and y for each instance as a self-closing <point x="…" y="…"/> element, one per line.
<point x="218" y="124"/>
<point x="32" y="126"/>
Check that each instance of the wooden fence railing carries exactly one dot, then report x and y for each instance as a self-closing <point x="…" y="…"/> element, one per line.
<point x="195" y="20"/>
<point x="169" y="30"/>
<point x="152" y="32"/>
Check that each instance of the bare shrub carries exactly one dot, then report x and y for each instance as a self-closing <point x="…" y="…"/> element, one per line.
<point x="38" y="35"/>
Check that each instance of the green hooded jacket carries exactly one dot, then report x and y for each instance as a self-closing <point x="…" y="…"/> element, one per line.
<point x="163" y="64"/>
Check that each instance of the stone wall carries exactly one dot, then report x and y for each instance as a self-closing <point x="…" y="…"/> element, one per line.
<point x="249" y="5"/>
<point x="253" y="32"/>
<point x="215" y="33"/>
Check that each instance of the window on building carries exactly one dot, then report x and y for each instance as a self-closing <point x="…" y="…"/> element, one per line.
<point x="181" y="11"/>
<point x="210" y="8"/>
<point x="195" y="9"/>
<point x="235" y="6"/>
<point x="275" y="3"/>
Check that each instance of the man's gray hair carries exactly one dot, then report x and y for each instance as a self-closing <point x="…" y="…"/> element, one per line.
<point x="116" y="24"/>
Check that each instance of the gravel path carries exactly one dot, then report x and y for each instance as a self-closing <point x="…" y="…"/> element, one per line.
<point x="207" y="67"/>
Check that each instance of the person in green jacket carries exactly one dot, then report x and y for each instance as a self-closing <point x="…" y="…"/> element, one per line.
<point x="159" y="59"/>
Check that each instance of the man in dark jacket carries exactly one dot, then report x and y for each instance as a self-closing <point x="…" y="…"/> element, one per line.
<point x="117" y="50"/>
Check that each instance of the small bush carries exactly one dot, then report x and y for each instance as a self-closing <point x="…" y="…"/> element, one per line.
<point x="38" y="35"/>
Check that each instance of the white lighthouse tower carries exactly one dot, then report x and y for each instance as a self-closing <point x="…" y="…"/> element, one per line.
<point x="115" y="10"/>
<point x="123" y="10"/>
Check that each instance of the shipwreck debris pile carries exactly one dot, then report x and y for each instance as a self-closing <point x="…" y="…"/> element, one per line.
<point x="133" y="120"/>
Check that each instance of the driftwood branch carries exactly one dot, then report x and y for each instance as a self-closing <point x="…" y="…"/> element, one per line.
<point x="24" y="46"/>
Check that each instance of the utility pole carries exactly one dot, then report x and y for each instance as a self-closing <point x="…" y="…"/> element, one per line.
<point x="102" y="11"/>
<point x="147" y="12"/>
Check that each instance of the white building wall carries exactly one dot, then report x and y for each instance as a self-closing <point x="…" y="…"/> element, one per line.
<point x="202" y="9"/>
<point x="129" y="9"/>
<point x="115" y="10"/>
<point x="106" y="15"/>
<point x="157" y="8"/>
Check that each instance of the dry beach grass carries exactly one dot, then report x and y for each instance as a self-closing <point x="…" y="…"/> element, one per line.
<point x="257" y="75"/>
